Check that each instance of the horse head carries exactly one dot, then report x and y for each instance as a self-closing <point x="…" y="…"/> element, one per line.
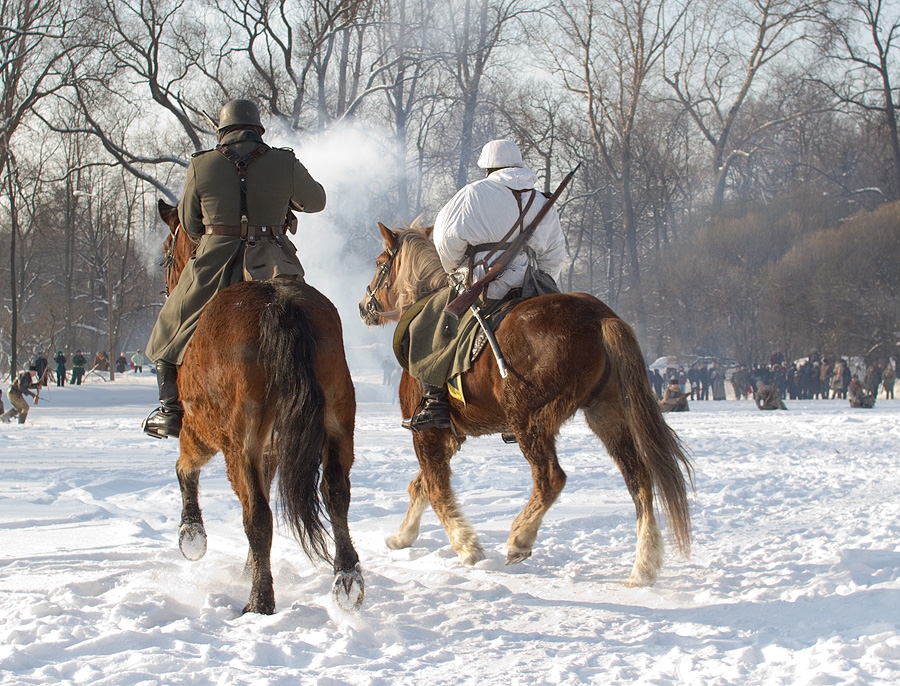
<point x="178" y="246"/>
<point x="407" y="269"/>
<point x="379" y="305"/>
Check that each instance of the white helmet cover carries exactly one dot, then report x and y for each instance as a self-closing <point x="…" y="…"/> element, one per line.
<point x="500" y="153"/>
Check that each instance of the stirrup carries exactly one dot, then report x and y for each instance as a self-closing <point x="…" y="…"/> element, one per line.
<point x="162" y="423"/>
<point x="432" y="416"/>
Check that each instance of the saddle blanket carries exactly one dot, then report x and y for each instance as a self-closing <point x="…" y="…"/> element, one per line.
<point x="435" y="347"/>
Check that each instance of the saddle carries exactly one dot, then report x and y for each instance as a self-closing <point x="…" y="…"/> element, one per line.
<point x="435" y="347"/>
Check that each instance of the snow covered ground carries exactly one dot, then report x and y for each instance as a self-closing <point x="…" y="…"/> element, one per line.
<point x="794" y="579"/>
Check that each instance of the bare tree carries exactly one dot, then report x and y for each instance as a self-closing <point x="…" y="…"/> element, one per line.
<point x="32" y="66"/>
<point x="291" y="48"/>
<point x="615" y="46"/>
<point x="151" y="59"/>
<point x="403" y="61"/>
<point x="715" y="67"/>
<point x="477" y="28"/>
<point x="863" y="43"/>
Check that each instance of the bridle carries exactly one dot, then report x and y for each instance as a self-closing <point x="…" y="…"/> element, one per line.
<point x="373" y="307"/>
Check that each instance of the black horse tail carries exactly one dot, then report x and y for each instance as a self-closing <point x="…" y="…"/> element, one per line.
<point x="287" y="343"/>
<point x="658" y="446"/>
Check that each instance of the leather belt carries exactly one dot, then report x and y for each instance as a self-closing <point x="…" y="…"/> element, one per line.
<point x="252" y="231"/>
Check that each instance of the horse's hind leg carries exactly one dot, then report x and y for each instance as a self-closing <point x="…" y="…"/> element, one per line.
<point x="250" y="476"/>
<point x="348" y="589"/>
<point x="409" y="528"/>
<point x="191" y="534"/>
<point x="612" y="429"/>
<point x="434" y="449"/>
<point x="538" y="446"/>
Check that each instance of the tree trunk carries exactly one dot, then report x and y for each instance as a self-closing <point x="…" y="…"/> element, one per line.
<point x="891" y="117"/>
<point x="629" y="224"/>
<point x="13" y="289"/>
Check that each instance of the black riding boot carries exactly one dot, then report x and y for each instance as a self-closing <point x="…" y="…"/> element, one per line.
<point x="434" y="412"/>
<point x="166" y="421"/>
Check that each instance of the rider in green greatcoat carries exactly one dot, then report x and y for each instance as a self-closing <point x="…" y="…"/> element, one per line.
<point x="235" y="206"/>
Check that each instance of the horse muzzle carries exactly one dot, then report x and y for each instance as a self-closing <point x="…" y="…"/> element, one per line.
<point x="368" y="311"/>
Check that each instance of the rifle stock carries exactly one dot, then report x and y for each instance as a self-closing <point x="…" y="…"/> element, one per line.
<point x="465" y="300"/>
<point x="37" y="396"/>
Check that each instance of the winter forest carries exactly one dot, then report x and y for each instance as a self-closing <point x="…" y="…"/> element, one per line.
<point x="739" y="181"/>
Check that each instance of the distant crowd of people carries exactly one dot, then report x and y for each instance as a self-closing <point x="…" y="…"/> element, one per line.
<point x="770" y="384"/>
<point x="40" y="373"/>
<point x="79" y="366"/>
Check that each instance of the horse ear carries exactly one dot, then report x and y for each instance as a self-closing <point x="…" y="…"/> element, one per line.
<point x="390" y="238"/>
<point x="429" y="230"/>
<point x="168" y="213"/>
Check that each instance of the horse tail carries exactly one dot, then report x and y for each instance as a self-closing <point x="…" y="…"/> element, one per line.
<point x="287" y="346"/>
<point x="658" y="446"/>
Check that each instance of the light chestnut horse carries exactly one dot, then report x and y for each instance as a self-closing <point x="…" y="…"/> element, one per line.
<point x="564" y="353"/>
<point x="265" y="381"/>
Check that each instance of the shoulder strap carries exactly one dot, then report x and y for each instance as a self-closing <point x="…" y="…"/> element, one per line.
<point x="503" y="242"/>
<point x="241" y="164"/>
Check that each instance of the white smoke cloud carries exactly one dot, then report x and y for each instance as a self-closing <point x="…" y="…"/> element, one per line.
<point x="355" y="166"/>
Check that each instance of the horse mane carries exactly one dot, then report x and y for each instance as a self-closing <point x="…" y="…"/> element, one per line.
<point x="419" y="272"/>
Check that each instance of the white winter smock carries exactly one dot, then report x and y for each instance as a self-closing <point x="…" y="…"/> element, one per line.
<point x="483" y="212"/>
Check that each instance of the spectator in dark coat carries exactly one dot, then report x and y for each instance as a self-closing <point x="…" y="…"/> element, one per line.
<point x="888" y="378"/>
<point x="694" y="379"/>
<point x="717" y="381"/>
<point x="704" y="382"/>
<point x="78" y="362"/>
<point x="40" y="366"/>
<point x="60" y="360"/>
<point x="658" y="384"/>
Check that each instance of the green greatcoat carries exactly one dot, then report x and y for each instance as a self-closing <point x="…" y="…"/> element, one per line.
<point x="212" y="196"/>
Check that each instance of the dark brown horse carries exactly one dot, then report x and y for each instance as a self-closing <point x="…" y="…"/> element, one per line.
<point x="265" y="381"/>
<point x="564" y="353"/>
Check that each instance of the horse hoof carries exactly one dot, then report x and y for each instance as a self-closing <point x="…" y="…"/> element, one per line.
<point x="192" y="540"/>
<point x="640" y="580"/>
<point x="472" y="557"/>
<point x="395" y="542"/>
<point x="517" y="557"/>
<point x="260" y="608"/>
<point x="348" y="589"/>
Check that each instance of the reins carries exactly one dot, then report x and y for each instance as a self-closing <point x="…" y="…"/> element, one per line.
<point x="170" y="258"/>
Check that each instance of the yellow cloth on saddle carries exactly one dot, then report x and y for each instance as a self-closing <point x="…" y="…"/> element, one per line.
<point x="431" y="345"/>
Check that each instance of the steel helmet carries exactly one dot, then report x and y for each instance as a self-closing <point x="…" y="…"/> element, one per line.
<point x="239" y="113"/>
<point x="500" y="153"/>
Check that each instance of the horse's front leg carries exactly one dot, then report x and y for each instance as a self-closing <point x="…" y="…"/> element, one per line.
<point x="434" y="448"/>
<point x="348" y="588"/>
<point x="409" y="528"/>
<point x="191" y="534"/>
